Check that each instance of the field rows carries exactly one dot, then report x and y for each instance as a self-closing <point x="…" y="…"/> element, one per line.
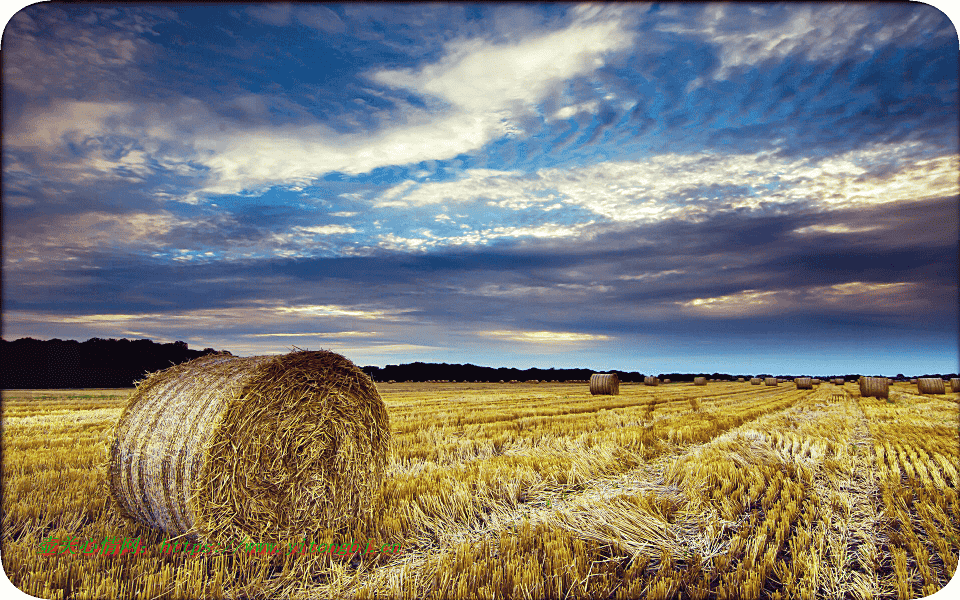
<point x="723" y="491"/>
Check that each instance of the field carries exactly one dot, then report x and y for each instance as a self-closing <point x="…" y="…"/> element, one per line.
<point x="544" y="491"/>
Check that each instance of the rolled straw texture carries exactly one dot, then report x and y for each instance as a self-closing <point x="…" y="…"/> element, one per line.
<point x="878" y="387"/>
<point x="648" y="380"/>
<point x="260" y="448"/>
<point x="804" y="383"/>
<point x="771" y="381"/>
<point x="955" y="384"/>
<point x="755" y="381"/>
<point x="931" y="385"/>
<point x="699" y="381"/>
<point x="607" y="384"/>
<point x="838" y="381"/>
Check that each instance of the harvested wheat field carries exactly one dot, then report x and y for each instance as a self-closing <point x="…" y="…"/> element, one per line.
<point x="548" y="491"/>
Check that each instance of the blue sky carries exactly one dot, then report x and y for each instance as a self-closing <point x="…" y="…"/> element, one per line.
<point x="732" y="187"/>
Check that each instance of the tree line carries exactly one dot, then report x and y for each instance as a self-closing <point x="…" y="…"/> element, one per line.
<point x="96" y="363"/>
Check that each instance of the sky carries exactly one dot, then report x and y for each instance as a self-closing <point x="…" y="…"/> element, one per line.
<point x="738" y="188"/>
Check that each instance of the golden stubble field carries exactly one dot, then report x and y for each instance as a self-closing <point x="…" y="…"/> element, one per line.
<point x="544" y="491"/>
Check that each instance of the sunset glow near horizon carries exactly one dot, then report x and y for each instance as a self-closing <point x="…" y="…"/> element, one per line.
<point x="735" y="188"/>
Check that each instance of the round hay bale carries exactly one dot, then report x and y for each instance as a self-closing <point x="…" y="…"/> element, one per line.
<point x="931" y="385"/>
<point x="838" y="381"/>
<point x="741" y="379"/>
<point x="772" y="381"/>
<point x="955" y="384"/>
<point x="533" y="381"/>
<point x="815" y="381"/>
<point x="913" y="381"/>
<point x="877" y="387"/>
<point x="699" y="381"/>
<point x="605" y="384"/>
<point x="755" y="381"/>
<point x="264" y="448"/>
<point x="650" y="380"/>
<point x="804" y="383"/>
<point x="666" y="381"/>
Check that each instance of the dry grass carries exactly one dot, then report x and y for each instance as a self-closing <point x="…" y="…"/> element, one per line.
<point x="606" y="384"/>
<point x="267" y="448"/>
<point x="876" y="387"/>
<point x="931" y="385"/>
<point x="549" y="492"/>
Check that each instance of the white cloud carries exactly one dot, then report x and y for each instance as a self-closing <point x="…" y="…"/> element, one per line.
<point x="694" y="186"/>
<point x="853" y="297"/>
<point x="817" y="32"/>
<point x="544" y="337"/>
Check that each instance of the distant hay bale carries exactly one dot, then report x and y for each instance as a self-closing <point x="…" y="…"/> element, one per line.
<point x="838" y="381"/>
<point x="607" y="384"/>
<point x="666" y="381"/>
<point x="741" y="379"/>
<point x="649" y="380"/>
<point x="772" y="381"/>
<point x="913" y="381"/>
<point x="533" y="381"/>
<point x="815" y="381"/>
<point x="804" y="383"/>
<point x="262" y="448"/>
<point x="755" y="381"/>
<point x="931" y="385"/>
<point x="877" y="387"/>
<point x="955" y="384"/>
<point x="699" y="381"/>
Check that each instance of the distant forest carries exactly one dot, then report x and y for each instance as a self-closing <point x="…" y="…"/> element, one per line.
<point x="96" y="363"/>
<point x="109" y="363"/>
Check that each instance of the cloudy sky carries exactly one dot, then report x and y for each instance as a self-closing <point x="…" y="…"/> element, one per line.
<point x="678" y="187"/>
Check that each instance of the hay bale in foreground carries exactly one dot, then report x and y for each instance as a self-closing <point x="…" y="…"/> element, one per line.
<point x="607" y="384"/>
<point x="649" y="380"/>
<point x="260" y="448"/>
<point x="699" y="381"/>
<point x="931" y="385"/>
<point x="771" y="381"/>
<point x="877" y="387"/>
<point x="804" y="383"/>
<point x="755" y="381"/>
<point x="955" y="384"/>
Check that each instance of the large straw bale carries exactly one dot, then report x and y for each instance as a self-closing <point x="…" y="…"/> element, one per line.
<point x="804" y="383"/>
<point x="607" y="384"/>
<point x="771" y="381"/>
<point x="699" y="381"/>
<point x="263" y="448"/>
<point x="650" y="380"/>
<point x="931" y="385"/>
<point x="838" y="381"/>
<point x="955" y="384"/>
<point x="815" y="381"/>
<point x="878" y="387"/>
<point x="755" y="381"/>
